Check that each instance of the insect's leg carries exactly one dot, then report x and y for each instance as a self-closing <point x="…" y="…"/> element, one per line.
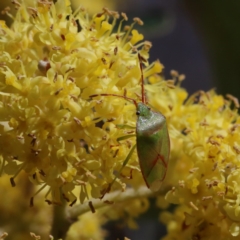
<point x="125" y="137"/>
<point x="120" y="170"/>
<point x="124" y="164"/>
<point x="124" y="126"/>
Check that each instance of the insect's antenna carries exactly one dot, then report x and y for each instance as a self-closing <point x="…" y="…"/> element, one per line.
<point x="115" y="95"/>
<point x="142" y="79"/>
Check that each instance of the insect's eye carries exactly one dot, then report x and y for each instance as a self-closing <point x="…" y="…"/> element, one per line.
<point x="138" y="112"/>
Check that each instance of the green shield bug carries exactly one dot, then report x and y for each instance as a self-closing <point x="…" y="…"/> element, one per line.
<point x="152" y="140"/>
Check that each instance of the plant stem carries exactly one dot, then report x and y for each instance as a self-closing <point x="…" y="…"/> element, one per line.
<point x="117" y="196"/>
<point x="60" y="223"/>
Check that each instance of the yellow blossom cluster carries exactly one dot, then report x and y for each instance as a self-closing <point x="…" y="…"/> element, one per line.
<point x="87" y="227"/>
<point x="52" y="60"/>
<point x="204" y="166"/>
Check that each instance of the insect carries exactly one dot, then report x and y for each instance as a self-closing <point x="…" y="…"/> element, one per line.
<point x="152" y="140"/>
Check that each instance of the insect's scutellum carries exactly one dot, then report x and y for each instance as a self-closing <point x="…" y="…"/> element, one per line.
<point x="152" y="140"/>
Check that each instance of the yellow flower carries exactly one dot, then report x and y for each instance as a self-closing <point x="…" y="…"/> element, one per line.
<point x="204" y="166"/>
<point x="87" y="227"/>
<point x="52" y="60"/>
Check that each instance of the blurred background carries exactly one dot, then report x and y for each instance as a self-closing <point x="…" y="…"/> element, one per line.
<point x="200" y="39"/>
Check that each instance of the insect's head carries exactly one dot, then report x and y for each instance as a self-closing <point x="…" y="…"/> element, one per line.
<point x="143" y="110"/>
